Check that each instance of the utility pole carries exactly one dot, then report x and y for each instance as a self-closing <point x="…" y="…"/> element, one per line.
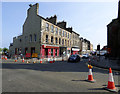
<point x="98" y="49"/>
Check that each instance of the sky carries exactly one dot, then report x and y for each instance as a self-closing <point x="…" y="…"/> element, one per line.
<point x="89" y="19"/>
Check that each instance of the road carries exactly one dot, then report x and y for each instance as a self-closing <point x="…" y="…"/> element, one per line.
<point x="53" y="77"/>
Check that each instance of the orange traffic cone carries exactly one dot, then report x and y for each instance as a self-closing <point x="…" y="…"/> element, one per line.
<point x="62" y="59"/>
<point x="5" y="57"/>
<point x="111" y="85"/>
<point x="41" y="60"/>
<point x="90" y="77"/>
<point x="15" y="59"/>
<point x="23" y="59"/>
<point x="53" y="59"/>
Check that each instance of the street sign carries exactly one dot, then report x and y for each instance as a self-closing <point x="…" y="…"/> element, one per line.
<point x="34" y="55"/>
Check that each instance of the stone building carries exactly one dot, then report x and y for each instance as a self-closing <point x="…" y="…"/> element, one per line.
<point x="113" y="36"/>
<point x="45" y="37"/>
<point x="85" y="46"/>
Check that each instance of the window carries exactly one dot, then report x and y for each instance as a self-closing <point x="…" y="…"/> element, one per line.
<point x="65" y="42"/>
<point x="30" y="38"/>
<point x="68" y="42"/>
<point x="59" y="40"/>
<point x="52" y="39"/>
<point x="47" y="26"/>
<point x="60" y="32"/>
<point x="63" y="33"/>
<point x="20" y="40"/>
<point x="62" y="41"/>
<point x="56" y="30"/>
<point x="52" y="28"/>
<point x="51" y="52"/>
<point x="55" y="52"/>
<point x="56" y="40"/>
<point x="68" y="35"/>
<point x="35" y="37"/>
<point x="25" y="38"/>
<point x="46" y="38"/>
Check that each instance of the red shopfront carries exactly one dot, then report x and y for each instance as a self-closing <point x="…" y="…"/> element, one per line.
<point x="75" y="51"/>
<point x="48" y="51"/>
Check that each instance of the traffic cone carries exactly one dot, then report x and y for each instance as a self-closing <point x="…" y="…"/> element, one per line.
<point x="62" y="59"/>
<point x="89" y="60"/>
<point x="111" y="85"/>
<point x="5" y="57"/>
<point x="41" y="60"/>
<point x="15" y="59"/>
<point x="23" y="59"/>
<point x="27" y="61"/>
<point x="53" y="59"/>
<point x="90" y="77"/>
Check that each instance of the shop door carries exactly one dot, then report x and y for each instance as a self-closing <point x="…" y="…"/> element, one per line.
<point x="46" y="52"/>
<point x="32" y="50"/>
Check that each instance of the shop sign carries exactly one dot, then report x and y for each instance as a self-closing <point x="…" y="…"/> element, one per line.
<point x="34" y="55"/>
<point x="74" y="49"/>
<point x="68" y="48"/>
<point x="28" y="55"/>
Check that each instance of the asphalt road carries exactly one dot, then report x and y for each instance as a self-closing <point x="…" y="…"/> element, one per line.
<point x="53" y="77"/>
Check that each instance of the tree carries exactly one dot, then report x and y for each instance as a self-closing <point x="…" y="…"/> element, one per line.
<point x="0" y="49"/>
<point x="5" y="50"/>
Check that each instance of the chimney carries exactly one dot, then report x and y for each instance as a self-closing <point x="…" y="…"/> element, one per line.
<point x="62" y="24"/>
<point x="69" y="29"/>
<point x="52" y="19"/>
<point x="33" y="10"/>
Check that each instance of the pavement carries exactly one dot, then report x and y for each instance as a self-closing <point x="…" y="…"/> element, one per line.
<point x="105" y="63"/>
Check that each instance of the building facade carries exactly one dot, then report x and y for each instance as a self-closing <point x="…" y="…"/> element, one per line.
<point x="113" y="36"/>
<point x="45" y="37"/>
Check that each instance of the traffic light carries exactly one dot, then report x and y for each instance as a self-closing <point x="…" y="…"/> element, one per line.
<point x="98" y="47"/>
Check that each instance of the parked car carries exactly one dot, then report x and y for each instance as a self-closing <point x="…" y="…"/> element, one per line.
<point x="74" y="58"/>
<point x="85" y="56"/>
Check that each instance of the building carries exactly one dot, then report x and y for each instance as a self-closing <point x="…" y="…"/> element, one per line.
<point x="85" y="46"/>
<point x="113" y="36"/>
<point x="44" y="36"/>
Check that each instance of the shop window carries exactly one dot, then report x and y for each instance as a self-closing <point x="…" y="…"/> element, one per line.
<point x="52" y="28"/>
<point x="51" y="39"/>
<point x="46" y="38"/>
<point x="26" y="50"/>
<point x="47" y="26"/>
<point x="56" y="40"/>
